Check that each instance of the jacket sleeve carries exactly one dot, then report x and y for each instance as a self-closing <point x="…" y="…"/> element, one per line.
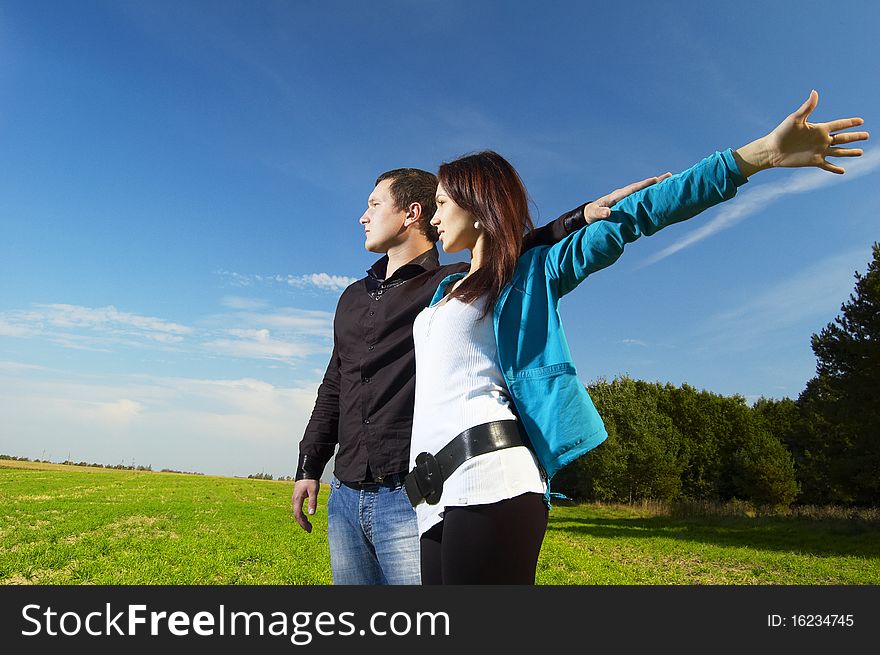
<point x="556" y="230"/>
<point x="322" y="432"/>
<point x="682" y="196"/>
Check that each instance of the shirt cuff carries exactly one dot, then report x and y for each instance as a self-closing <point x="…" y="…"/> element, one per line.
<point x="574" y="220"/>
<point x="738" y="178"/>
<point x="309" y="468"/>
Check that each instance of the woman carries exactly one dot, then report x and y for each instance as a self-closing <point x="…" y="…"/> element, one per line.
<point x="498" y="407"/>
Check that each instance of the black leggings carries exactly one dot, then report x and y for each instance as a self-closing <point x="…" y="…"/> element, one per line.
<point x="486" y="544"/>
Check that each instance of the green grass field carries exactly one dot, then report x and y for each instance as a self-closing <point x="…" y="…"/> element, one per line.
<point x="70" y="525"/>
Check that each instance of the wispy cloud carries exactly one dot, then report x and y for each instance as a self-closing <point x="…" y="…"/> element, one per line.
<point x="240" y="302"/>
<point x="260" y="344"/>
<point x="90" y="327"/>
<point x="634" y="342"/>
<point x="321" y="281"/>
<point x="118" y="413"/>
<point x="18" y="366"/>
<point x="259" y="331"/>
<point x="284" y="334"/>
<point x="302" y="321"/>
<point x="221" y="426"/>
<point x="248" y="397"/>
<point x="751" y="201"/>
<point x="316" y="281"/>
<point x="812" y="295"/>
<point x="14" y="329"/>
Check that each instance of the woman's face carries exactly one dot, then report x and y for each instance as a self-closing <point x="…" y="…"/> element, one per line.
<point x="455" y="225"/>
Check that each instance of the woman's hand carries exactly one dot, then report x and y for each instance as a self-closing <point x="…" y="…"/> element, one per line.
<point x="599" y="209"/>
<point x="795" y="143"/>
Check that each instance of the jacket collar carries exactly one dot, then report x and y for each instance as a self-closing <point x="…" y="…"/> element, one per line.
<point x="441" y="288"/>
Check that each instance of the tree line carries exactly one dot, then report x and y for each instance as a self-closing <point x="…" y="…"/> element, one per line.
<point x="117" y="467"/>
<point x="677" y="443"/>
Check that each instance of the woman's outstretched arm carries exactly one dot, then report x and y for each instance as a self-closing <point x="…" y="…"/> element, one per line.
<point x="793" y="143"/>
<point x="589" y="212"/>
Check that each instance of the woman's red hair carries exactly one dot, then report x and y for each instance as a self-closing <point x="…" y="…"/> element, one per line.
<point x="489" y="188"/>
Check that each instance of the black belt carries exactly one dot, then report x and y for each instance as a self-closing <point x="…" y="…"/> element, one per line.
<point x="389" y="481"/>
<point x="425" y="481"/>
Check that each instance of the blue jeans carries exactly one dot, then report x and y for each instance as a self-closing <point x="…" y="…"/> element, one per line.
<point x="373" y="535"/>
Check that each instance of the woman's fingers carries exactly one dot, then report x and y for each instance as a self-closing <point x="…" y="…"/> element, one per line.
<point x="844" y="152"/>
<point x="802" y="112"/>
<point x="842" y="124"/>
<point x="619" y="194"/>
<point x="599" y="208"/>
<point x="596" y="212"/>
<point x="831" y="168"/>
<point x="848" y="137"/>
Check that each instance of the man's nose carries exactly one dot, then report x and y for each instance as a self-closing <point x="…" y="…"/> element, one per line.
<point x="364" y="218"/>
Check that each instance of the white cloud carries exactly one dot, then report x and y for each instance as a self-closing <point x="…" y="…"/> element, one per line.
<point x="321" y="281"/>
<point x="76" y="326"/>
<point x="318" y="281"/>
<point x="215" y="426"/>
<point x="283" y="334"/>
<point x="750" y="201"/>
<point x="260" y="344"/>
<point x="18" y="367"/>
<point x="237" y="279"/>
<point x="634" y="342"/>
<point x="813" y="295"/>
<point x="62" y="315"/>
<point x="8" y="329"/>
<point x="239" y="302"/>
<point x="118" y="412"/>
<point x="316" y="323"/>
<point x="247" y="397"/>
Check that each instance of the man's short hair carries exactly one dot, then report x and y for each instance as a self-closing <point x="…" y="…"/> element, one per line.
<point x="409" y="185"/>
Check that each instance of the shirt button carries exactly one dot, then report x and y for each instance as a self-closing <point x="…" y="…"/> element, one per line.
<point x="372" y="348"/>
<point x="365" y="380"/>
<point x="366" y="421"/>
<point x="379" y="293"/>
<point x="372" y="312"/>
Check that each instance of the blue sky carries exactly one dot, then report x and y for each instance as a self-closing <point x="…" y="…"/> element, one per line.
<point x="180" y="184"/>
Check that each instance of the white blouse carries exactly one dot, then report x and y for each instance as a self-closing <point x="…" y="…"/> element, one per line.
<point x="458" y="386"/>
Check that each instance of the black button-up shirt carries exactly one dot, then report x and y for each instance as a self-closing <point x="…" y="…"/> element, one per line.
<point x="365" y="402"/>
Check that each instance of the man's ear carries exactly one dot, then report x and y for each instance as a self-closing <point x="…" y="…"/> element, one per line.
<point x="413" y="214"/>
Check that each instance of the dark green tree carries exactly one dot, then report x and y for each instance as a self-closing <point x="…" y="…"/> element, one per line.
<point x="786" y="420"/>
<point x="641" y="459"/>
<point x="842" y="403"/>
<point x="695" y="415"/>
<point x="763" y="470"/>
<point x="667" y="443"/>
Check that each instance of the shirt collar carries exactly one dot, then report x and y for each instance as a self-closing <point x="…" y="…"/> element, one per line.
<point x="428" y="260"/>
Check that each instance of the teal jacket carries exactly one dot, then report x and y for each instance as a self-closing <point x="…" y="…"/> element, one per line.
<point x="558" y="415"/>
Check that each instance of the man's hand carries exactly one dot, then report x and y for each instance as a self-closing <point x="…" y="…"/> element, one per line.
<point x="305" y="490"/>
<point x="600" y="209"/>
<point x="795" y="143"/>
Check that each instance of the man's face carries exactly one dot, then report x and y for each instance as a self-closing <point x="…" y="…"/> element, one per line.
<point x="383" y="222"/>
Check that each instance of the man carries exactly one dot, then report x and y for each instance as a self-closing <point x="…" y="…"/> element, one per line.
<point x="365" y="401"/>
